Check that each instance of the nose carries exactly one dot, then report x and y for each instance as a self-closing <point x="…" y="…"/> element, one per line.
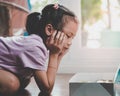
<point x="70" y="43"/>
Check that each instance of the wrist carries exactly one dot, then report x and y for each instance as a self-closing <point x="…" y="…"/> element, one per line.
<point x="55" y="56"/>
<point x="53" y="59"/>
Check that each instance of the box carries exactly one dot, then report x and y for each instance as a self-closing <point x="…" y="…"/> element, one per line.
<point x="117" y="82"/>
<point x="95" y="84"/>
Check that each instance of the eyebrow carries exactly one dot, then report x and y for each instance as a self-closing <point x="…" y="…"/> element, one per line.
<point x="69" y="32"/>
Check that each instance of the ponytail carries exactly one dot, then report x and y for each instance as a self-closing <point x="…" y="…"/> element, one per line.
<point x="33" y="22"/>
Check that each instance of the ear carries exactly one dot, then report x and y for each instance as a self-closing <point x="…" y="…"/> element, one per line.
<point x="49" y="29"/>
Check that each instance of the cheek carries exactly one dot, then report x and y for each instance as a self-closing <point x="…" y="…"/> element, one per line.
<point x="67" y="42"/>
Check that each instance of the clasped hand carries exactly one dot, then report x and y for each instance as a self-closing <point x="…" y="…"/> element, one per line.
<point x="55" y="42"/>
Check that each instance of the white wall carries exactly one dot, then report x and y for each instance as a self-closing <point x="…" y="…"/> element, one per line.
<point x="91" y="60"/>
<point x="87" y="60"/>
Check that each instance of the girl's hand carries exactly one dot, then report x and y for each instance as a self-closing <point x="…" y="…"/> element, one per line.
<point x="55" y="42"/>
<point x="62" y="53"/>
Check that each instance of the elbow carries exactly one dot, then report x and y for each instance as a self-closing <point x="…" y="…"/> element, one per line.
<point x="46" y="91"/>
<point x="48" y="88"/>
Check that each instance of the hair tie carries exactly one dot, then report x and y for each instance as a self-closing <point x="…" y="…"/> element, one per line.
<point x="39" y="17"/>
<point x="56" y="6"/>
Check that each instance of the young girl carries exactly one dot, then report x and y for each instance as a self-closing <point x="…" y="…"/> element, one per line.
<point x="21" y="57"/>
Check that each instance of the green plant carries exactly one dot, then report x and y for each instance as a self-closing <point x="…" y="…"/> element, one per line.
<point x="90" y="11"/>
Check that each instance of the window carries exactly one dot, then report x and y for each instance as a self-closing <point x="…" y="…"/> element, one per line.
<point x="100" y="23"/>
<point x="38" y="5"/>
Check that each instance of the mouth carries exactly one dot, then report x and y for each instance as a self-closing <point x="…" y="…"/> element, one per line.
<point x="66" y="47"/>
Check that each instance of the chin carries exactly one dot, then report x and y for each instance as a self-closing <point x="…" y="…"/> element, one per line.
<point x="66" y="47"/>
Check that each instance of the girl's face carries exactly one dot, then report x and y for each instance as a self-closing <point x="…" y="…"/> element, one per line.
<point x="70" y="29"/>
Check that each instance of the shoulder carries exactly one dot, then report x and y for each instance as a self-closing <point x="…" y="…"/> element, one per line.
<point x="35" y="38"/>
<point x="36" y="41"/>
<point x="22" y="43"/>
<point x="36" y="44"/>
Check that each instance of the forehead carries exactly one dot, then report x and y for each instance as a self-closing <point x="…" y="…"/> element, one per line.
<point x="70" y="27"/>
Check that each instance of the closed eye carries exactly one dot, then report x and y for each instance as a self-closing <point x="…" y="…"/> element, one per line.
<point x="68" y="36"/>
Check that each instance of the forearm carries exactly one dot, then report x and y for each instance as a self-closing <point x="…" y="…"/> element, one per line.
<point x="45" y="80"/>
<point x="52" y="70"/>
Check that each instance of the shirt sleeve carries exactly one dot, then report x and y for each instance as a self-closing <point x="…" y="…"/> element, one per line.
<point x="34" y="58"/>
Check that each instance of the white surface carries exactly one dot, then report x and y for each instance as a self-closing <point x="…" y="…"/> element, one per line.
<point x="91" y="77"/>
<point x="102" y="60"/>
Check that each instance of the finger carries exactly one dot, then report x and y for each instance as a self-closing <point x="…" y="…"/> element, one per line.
<point x="58" y="34"/>
<point x="53" y="35"/>
<point x="64" y="38"/>
<point x="57" y="37"/>
<point x="61" y="37"/>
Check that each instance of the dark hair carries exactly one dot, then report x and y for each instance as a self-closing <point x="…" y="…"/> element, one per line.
<point x="50" y="15"/>
<point x="33" y="23"/>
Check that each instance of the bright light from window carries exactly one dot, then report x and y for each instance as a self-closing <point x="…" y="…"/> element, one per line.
<point x="94" y="30"/>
